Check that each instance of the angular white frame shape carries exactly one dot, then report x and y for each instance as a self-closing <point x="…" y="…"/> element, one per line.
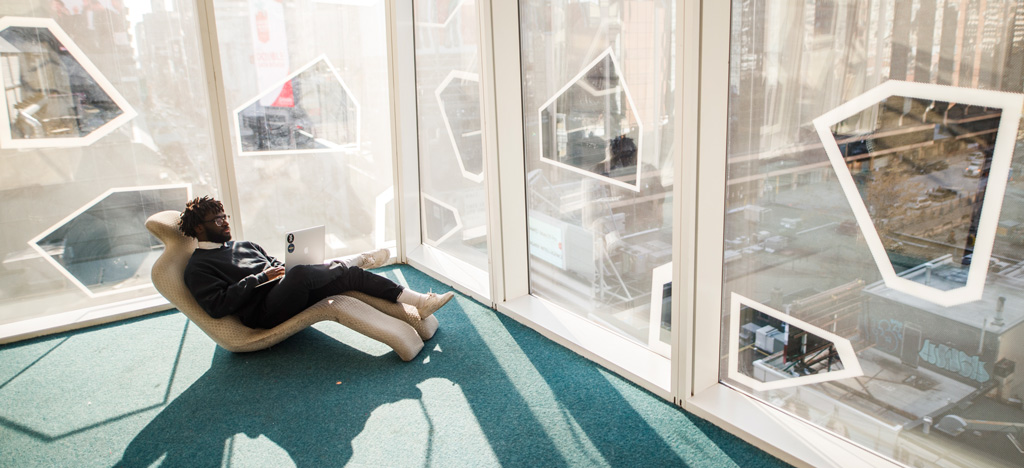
<point x="1002" y="154"/>
<point x="851" y="366"/>
<point x="445" y="236"/>
<point x="331" y="146"/>
<point x="660" y="276"/>
<point x="380" y="223"/>
<point x="632" y="105"/>
<point x="467" y="76"/>
<point x="127" y="111"/>
<point x="33" y="243"/>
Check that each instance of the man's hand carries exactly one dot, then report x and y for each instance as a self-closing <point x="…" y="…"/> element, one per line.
<point x="274" y="273"/>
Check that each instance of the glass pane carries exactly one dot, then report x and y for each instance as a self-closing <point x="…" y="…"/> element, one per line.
<point x="311" y="111"/>
<point x="307" y="150"/>
<point x="450" y="129"/>
<point x="104" y="246"/>
<point x="49" y="94"/>
<point x="874" y="265"/>
<point x="107" y="122"/>
<point x="598" y="102"/>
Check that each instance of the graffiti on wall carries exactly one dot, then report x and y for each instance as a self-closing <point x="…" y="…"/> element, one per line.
<point x="888" y="335"/>
<point x="954" y="360"/>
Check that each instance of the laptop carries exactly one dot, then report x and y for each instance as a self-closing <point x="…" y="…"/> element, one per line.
<point x="304" y="247"/>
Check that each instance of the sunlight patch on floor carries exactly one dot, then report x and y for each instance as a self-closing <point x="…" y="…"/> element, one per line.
<point x="242" y="451"/>
<point x="441" y="422"/>
<point x="561" y="428"/>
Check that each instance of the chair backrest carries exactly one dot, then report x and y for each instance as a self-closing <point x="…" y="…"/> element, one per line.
<point x="389" y="327"/>
<point x="169" y="269"/>
<point x="168" y="277"/>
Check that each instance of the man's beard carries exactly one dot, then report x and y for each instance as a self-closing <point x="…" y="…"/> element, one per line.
<point x="219" y="237"/>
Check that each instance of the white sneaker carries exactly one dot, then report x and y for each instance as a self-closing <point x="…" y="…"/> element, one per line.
<point x="375" y="259"/>
<point x="433" y="302"/>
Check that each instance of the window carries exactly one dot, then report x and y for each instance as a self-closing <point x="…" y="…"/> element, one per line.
<point x="105" y="122"/>
<point x="311" y="110"/>
<point x="102" y="247"/>
<point x="308" y="150"/>
<point x="873" y="270"/>
<point x="54" y="95"/>
<point x="598" y="114"/>
<point x="451" y="144"/>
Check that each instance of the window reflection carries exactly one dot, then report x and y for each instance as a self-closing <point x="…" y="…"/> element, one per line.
<point x="771" y="348"/>
<point x="598" y="143"/>
<point x="612" y="213"/>
<point x="939" y="385"/>
<point x="313" y="110"/>
<point x="451" y="135"/>
<point x="459" y="100"/>
<point x="579" y="122"/>
<point x="49" y="93"/>
<point x="921" y="168"/>
<point x="122" y="109"/>
<point x="297" y="78"/>
<point x="104" y="246"/>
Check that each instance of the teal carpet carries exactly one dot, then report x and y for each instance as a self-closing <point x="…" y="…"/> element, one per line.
<point x="485" y="391"/>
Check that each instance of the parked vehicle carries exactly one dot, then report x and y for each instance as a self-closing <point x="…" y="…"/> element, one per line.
<point x="932" y="166"/>
<point x="942" y="193"/>
<point x="972" y="171"/>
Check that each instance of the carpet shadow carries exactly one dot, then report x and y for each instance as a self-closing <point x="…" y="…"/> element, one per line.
<point x="289" y="394"/>
<point x="578" y="383"/>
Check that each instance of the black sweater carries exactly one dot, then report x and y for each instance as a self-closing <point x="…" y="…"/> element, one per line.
<point x="224" y="280"/>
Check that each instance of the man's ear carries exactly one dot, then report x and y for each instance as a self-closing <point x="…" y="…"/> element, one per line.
<point x="200" y="232"/>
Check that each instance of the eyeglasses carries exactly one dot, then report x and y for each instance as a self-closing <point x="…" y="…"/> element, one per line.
<point x="220" y="221"/>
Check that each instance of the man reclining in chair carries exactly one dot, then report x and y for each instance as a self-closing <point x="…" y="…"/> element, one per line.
<point x="227" y="277"/>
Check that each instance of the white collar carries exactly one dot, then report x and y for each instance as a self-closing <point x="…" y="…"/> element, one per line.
<point x="207" y="245"/>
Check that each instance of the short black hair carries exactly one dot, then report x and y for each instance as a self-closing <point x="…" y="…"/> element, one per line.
<point x="196" y="212"/>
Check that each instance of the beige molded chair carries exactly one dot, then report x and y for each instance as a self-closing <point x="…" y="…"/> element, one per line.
<point x="395" y="325"/>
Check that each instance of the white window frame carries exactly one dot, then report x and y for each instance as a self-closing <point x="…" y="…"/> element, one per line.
<point x="690" y="377"/>
<point x="706" y="33"/>
<point x="502" y="82"/>
<point x="149" y="304"/>
<point x="413" y="248"/>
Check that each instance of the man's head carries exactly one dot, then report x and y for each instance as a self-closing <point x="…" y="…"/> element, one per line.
<point x="205" y="220"/>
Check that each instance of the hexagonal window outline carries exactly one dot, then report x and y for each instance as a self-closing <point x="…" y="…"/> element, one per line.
<point x="1010" y="105"/>
<point x="380" y="223"/>
<point x="851" y="365"/>
<point x="34" y="242"/>
<point x="466" y="76"/>
<point x="451" y="232"/>
<point x="660" y="276"/>
<point x="578" y="80"/>
<point x="447" y="21"/>
<point x="7" y="140"/>
<point x="332" y="147"/>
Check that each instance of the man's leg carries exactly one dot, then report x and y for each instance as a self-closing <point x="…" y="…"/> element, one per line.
<point x="305" y="285"/>
<point x="352" y="278"/>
